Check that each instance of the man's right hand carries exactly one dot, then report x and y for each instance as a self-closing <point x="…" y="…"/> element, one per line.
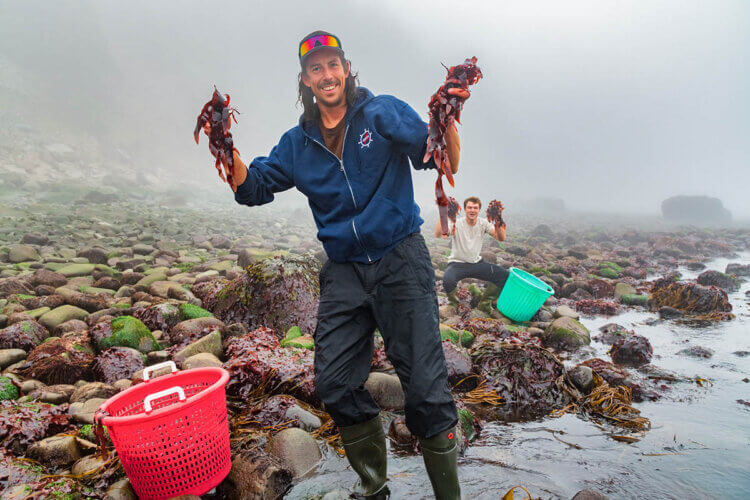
<point x="239" y="172"/>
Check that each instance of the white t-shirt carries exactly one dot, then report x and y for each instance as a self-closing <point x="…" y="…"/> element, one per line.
<point x="466" y="243"/>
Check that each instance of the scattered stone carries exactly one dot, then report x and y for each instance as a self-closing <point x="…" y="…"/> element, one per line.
<point x="296" y="449"/>
<point x="633" y="350"/>
<point x="55" y="451"/>
<point x="386" y="390"/>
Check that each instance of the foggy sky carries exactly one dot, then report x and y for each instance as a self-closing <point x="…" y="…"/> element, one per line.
<point x="610" y="105"/>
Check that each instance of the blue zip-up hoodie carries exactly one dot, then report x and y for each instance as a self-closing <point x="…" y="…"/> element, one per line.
<point x="364" y="204"/>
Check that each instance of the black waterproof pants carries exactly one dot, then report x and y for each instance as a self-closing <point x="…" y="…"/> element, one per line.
<point x="456" y="271"/>
<point x="397" y="295"/>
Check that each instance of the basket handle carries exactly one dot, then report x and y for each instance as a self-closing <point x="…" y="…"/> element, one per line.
<point x="158" y="395"/>
<point x="147" y="371"/>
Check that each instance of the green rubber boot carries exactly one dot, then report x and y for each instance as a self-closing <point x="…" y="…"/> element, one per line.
<point x="365" y="449"/>
<point x="440" y="454"/>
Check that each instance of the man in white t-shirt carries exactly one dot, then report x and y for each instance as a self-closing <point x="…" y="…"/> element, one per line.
<point x="466" y="244"/>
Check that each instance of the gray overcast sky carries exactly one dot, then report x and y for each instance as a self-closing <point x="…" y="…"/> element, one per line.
<point x="609" y="105"/>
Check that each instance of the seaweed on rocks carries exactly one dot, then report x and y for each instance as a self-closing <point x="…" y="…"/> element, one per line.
<point x="277" y="292"/>
<point x="60" y="360"/>
<point x="23" y="424"/>
<point x="117" y="363"/>
<point x="257" y="364"/>
<point x="530" y="379"/>
<point x="702" y="302"/>
<point x="23" y="335"/>
<point x="597" y="306"/>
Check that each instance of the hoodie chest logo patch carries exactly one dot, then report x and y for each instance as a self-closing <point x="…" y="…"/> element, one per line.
<point x="365" y="139"/>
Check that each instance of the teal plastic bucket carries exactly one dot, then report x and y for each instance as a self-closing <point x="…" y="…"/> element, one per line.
<point x="522" y="295"/>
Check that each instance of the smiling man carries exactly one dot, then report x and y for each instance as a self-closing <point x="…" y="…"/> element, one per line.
<point x="350" y="155"/>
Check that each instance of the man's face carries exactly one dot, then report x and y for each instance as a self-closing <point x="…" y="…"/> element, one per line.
<point x="326" y="76"/>
<point x="472" y="210"/>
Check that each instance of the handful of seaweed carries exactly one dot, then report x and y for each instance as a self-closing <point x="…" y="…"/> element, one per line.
<point x="495" y="212"/>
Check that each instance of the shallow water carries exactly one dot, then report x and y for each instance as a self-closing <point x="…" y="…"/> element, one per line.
<point x="698" y="445"/>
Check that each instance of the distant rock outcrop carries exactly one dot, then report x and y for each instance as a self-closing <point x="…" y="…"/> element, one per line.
<point x="695" y="210"/>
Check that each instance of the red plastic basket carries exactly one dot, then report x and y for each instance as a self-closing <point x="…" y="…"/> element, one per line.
<point x="171" y="433"/>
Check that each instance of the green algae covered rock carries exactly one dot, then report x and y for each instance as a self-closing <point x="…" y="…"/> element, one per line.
<point x="8" y="389"/>
<point x="566" y="334"/>
<point x="458" y="337"/>
<point x="633" y="299"/>
<point x="124" y="331"/>
<point x="190" y="311"/>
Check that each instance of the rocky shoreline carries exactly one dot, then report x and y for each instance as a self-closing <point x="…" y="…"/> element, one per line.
<point x="93" y="292"/>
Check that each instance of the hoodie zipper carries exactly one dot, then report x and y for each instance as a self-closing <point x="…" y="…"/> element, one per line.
<point x="346" y="177"/>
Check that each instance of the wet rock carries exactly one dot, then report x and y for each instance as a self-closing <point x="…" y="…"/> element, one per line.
<point x="92" y="390"/>
<point x="22" y="253"/>
<point x="22" y="335"/>
<point x="624" y="289"/>
<point x="697" y="351"/>
<point x="34" y="239"/>
<point x="94" y="255"/>
<point x="296" y="449"/>
<point x="566" y="334"/>
<point x="73" y="270"/>
<point x="400" y="436"/>
<point x="582" y="377"/>
<point x="31" y="385"/>
<point x="10" y="286"/>
<point x="256" y="475"/>
<point x="386" y="390"/>
<point x="666" y="312"/>
<point x="458" y="364"/>
<point x="565" y="312"/>
<point x="124" y="331"/>
<point x="120" y="490"/>
<point x="633" y="350"/>
<point x="162" y="316"/>
<point x="187" y="332"/>
<point x="107" y="282"/>
<point x="10" y="356"/>
<point x="55" y="451"/>
<point x="694" y="265"/>
<point x="53" y="394"/>
<point x="60" y="315"/>
<point x="738" y="269"/>
<point x="47" y="278"/>
<point x="60" y="360"/>
<point x="211" y="344"/>
<point x="201" y="360"/>
<point x="70" y="326"/>
<point x="612" y="332"/>
<point x="277" y="292"/>
<point x="718" y="279"/>
<point x="306" y="420"/>
<point x="89" y="464"/>
<point x="83" y="412"/>
<point x="117" y="363"/>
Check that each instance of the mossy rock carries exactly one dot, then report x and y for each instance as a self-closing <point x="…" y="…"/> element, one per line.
<point x="466" y="419"/>
<point x="293" y="333"/>
<point x="87" y="432"/>
<point x="566" y="334"/>
<point x="458" y="337"/>
<point x="301" y="342"/>
<point x="55" y="266"/>
<point x="127" y="331"/>
<point x="633" y="299"/>
<point x="96" y="291"/>
<point x="74" y="270"/>
<point x="608" y="272"/>
<point x="191" y="311"/>
<point x="8" y="389"/>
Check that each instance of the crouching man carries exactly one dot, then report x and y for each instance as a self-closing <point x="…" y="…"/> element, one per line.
<point x="466" y="244"/>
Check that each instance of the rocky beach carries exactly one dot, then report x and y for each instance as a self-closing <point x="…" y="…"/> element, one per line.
<point x="638" y="363"/>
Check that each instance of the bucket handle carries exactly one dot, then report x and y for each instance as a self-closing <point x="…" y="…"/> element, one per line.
<point x="147" y="371"/>
<point x="158" y="395"/>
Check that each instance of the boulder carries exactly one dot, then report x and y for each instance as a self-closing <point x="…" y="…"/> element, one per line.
<point x="188" y="331"/>
<point x="566" y="334"/>
<point x="94" y="255"/>
<point x="718" y="279"/>
<point x="296" y="449"/>
<point x="201" y="360"/>
<point x="22" y="253"/>
<point x="256" y="475"/>
<point x="48" y="278"/>
<point x="55" y="451"/>
<point x="92" y="390"/>
<point x="386" y="390"/>
<point x="695" y="210"/>
<point x="60" y="360"/>
<point x="124" y="331"/>
<point x="211" y="344"/>
<point x="83" y="412"/>
<point x="60" y="315"/>
<point x="24" y="335"/>
<point x="73" y="270"/>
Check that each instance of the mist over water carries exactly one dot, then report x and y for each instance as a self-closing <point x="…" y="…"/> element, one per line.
<point x="608" y="106"/>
